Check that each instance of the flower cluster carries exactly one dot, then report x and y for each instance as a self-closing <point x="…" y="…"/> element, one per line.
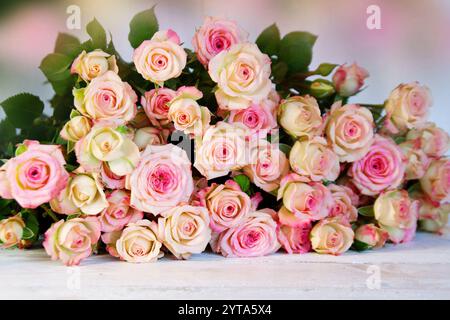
<point x="180" y="150"/>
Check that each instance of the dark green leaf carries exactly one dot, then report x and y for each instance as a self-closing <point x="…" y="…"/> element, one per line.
<point x="366" y="211"/>
<point x="142" y="27"/>
<point x="324" y="69"/>
<point x="414" y="188"/>
<point x="22" y="109"/>
<point x="73" y="216"/>
<point x="399" y="139"/>
<point x="97" y="34"/>
<point x="55" y="66"/>
<point x="360" y="246"/>
<point x="279" y="71"/>
<point x="27" y="233"/>
<point x="286" y="149"/>
<point x="7" y="132"/>
<point x="269" y="40"/>
<point x="68" y="45"/>
<point x="243" y="181"/>
<point x="296" y="50"/>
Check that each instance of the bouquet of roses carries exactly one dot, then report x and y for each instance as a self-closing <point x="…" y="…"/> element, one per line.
<point x="235" y="144"/>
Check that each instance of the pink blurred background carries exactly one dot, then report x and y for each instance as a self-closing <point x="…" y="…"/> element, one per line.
<point x="413" y="44"/>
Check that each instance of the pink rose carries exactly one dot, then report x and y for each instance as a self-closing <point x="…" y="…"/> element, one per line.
<point x="344" y="203"/>
<point x="349" y="130"/>
<point x="150" y="136"/>
<point x="382" y="168"/>
<point x="119" y="213"/>
<point x="162" y="179"/>
<point x="303" y="201"/>
<point x="227" y="205"/>
<point x="254" y="237"/>
<point x="257" y="117"/>
<point x="214" y="36"/>
<point x="436" y="181"/>
<point x="111" y="180"/>
<point x="73" y="240"/>
<point x="106" y="98"/>
<point x="407" y="107"/>
<point x="295" y="239"/>
<point x="156" y="105"/>
<point x="35" y="176"/>
<point x="348" y="80"/>
<point x="433" y="140"/>
<point x="268" y="164"/>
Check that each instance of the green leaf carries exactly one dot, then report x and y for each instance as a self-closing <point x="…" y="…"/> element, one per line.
<point x="296" y="50"/>
<point x="73" y="216"/>
<point x="243" y="181"/>
<point x="7" y="132"/>
<point x="55" y="66"/>
<point x="142" y="27"/>
<point x="97" y="34"/>
<point x="279" y="71"/>
<point x="399" y="139"/>
<point x="74" y="113"/>
<point x="122" y="129"/>
<point x="68" y="45"/>
<point x="70" y="146"/>
<point x="366" y="211"/>
<point x="360" y="246"/>
<point x="22" y="109"/>
<point x="269" y="40"/>
<point x="27" y="233"/>
<point x="286" y="149"/>
<point x="21" y="148"/>
<point x="414" y="188"/>
<point x="324" y="69"/>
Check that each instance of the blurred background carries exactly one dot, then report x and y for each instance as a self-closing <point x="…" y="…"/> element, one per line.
<point x="412" y="44"/>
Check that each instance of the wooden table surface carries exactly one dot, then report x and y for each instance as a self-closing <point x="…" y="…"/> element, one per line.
<point x="418" y="270"/>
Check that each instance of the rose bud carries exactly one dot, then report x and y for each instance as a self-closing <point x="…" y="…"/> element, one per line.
<point x="348" y="80"/>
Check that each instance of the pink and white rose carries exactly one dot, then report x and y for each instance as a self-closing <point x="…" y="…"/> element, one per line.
<point x="433" y="140"/>
<point x="371" y="235"/>
<point x="11" y="231"/>
<point x="161" y="58"/>
<point x="407" y="107"/>
<point x="349" y="130"/>
<point x="76" y="128"/>
<point x="295" y="239"/>
<point x="332" y="236"/>
<point x="144" y="137"/>
<point x="397" y="213"/>
<point x="348" y="80"/>
<point x="312" y="158"/>
<point x="436" y="181"/>
<point x="417" y="161"/>
<point x="93" y="64"/>
<point x="184" y="230"/>
<point x="156" y="105"/>
<point x="344" y="203"/>
<point x="242" y="74"/>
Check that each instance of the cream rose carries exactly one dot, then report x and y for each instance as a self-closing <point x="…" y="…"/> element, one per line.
<point x="162" y="180"/>
<point x="150" y="136"/>
<point x="11" y="231"/>
<point x="242" y="74"/>
<point x="186" y="114"/>
<point x="222" y="149"/>
<point x="397" y="214"/>
<point x="83" y="193"/>
<point x="417" y="161"/>
<point x="433" y="216"/>
<point x="267" y="165"/>
<point x="76" y="128"/>
<point x="161" y="58"/>
<point x="184" y="230"/>
<point x="371" y="235"/>
<point x="433" y="140"/>
<point x="73" y="240"/>
<point x="106" y="98"/>
<point x="300" y="116"/>
<point x="106" y="143"/>
<point x="139" y="242"/>
<point x="93" y="64"/>
<point x="331" y="236"/>
<point x="436" y="181"/>
<point x="407" y="107"/>
<point x="312" y="158"/>
<point x="349" y="130"/>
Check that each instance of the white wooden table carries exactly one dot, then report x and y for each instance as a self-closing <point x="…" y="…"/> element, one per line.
<point x="420" y="269"/>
